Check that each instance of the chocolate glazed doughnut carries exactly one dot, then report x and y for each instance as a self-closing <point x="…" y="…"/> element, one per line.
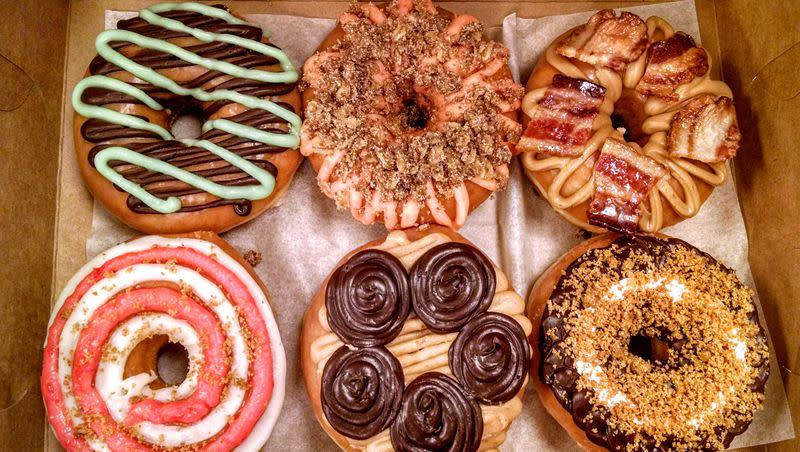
<point x="451" y="283"/>
<point x="436" y="415"/>
<point x="624" y="324"/>
<point x="368" y="299"/>
<point x="491" y="357"/>
<point x="361" y="390"/>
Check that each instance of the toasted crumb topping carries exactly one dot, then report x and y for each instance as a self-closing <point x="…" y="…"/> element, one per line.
<point x="705" y="385"/>
<point x="392" y="98"/>
<point x="252" y="257"/>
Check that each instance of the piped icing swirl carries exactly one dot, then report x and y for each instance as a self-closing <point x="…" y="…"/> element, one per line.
<point x="227" y="164"/>
<point x="652" y="344"/>
<point x="192" y="291"/>
<point x="680" y="126"/>
<point x="491" y="358"/>
<point x="436" y="415"/>
<point x="361" y="391"/>
<point x="368" y="299"/>
<point x="420" y="351"/>
<point x="450" y="284"/>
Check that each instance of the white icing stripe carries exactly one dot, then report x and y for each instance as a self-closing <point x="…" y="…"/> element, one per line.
<point x="206" y="291"/>
<point x="210" y="294"/>
<point x="118" y="391"/>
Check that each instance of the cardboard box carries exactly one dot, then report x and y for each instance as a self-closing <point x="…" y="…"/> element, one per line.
<point x="44" y="50"/>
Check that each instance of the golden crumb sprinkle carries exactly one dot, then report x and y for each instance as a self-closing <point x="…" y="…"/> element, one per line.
<point x="663" y="338"/>
<point x="252" y="257"/>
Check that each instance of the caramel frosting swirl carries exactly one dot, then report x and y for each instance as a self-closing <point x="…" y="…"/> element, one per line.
<point x="436" y="415"/>
<point x="491" y="358"/>
<point x="368" y="299"/>
<point x="361" y="390"/>
<point x="451" y="284"/>
<point x="419" y="350"/>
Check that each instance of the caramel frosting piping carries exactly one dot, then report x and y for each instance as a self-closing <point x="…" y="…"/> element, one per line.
<point x="419" y="350"/>
<point x="574" y="181"/>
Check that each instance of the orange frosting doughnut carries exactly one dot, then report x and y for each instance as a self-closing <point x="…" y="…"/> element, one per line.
<point x="410" y="112"/>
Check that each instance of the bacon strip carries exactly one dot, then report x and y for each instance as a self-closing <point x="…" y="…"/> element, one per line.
<point x="623" y="178"/>
<point x="562" y="121"/>
<point x="671" y="63"/>
<point x="607" y="40"/>
<point x="705" y="130"/>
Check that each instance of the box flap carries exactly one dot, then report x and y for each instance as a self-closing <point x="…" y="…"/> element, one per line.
<point x="32" y="43"/>
<point x="760" y="55"/>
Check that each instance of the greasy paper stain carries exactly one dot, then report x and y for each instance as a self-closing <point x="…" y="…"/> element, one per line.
<point x="778" y="77"/>
<point x="16" y="86"/>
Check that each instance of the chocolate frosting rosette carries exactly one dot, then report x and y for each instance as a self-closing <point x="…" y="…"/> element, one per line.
<point x="416" y="342"/>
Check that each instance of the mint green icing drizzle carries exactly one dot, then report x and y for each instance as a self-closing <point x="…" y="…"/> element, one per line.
<point x="173" y="204"/>
<point x="288" y="74"/>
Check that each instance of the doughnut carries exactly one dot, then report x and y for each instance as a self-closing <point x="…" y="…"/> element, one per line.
<point x="454" y="388"/>
<point x="410" y="114"/>
<point x="647" y="343"/>
<point x="176" y="60"/>
<point x="624" y="128"/>
<point x="113" y="377"/>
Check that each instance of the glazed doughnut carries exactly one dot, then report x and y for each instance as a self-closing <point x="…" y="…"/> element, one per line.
<point x="647" y="343"/>
<point x="178" y="59"/>
<point x="410" y="114"/>
<point x="625" y="130"/>
<point x="103" y="383"/>
<point x="456" y="388"/>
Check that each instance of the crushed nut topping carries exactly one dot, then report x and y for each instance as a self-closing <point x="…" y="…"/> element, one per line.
<point x="392" y="97"/>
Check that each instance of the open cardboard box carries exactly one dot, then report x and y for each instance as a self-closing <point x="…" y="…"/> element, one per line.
<point x="46" y="212"/>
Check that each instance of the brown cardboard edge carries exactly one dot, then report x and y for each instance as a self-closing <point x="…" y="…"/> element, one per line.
<point x="30" y="98"/>
<point x="759" y="66"/>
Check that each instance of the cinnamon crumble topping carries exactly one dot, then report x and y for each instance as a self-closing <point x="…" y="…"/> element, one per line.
<point x="392" y="97"/>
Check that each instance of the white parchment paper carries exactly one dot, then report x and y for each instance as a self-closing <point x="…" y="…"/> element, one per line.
<point x="302" y="239"/>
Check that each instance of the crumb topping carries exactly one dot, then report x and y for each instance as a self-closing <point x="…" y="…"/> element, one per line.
<point x="705" y="383"/>
<point x="252" y="257"/>
<point x="392" y="98"/>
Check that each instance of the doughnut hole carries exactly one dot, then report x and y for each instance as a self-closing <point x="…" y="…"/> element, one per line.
<point x="187" y="124"/>
<point x="415" y="114"/>
<point x="629" y="114"/>
<point x="169" y="361"/>
<point x="650" y="349"/>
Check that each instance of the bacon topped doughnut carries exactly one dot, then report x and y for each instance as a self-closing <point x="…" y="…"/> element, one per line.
<point x="410" y="112"/>
<point x="625" y="130"/>
<point x="178" y="59"/>
<point x="451" y="379"/>
<point x="105" y="381"/>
